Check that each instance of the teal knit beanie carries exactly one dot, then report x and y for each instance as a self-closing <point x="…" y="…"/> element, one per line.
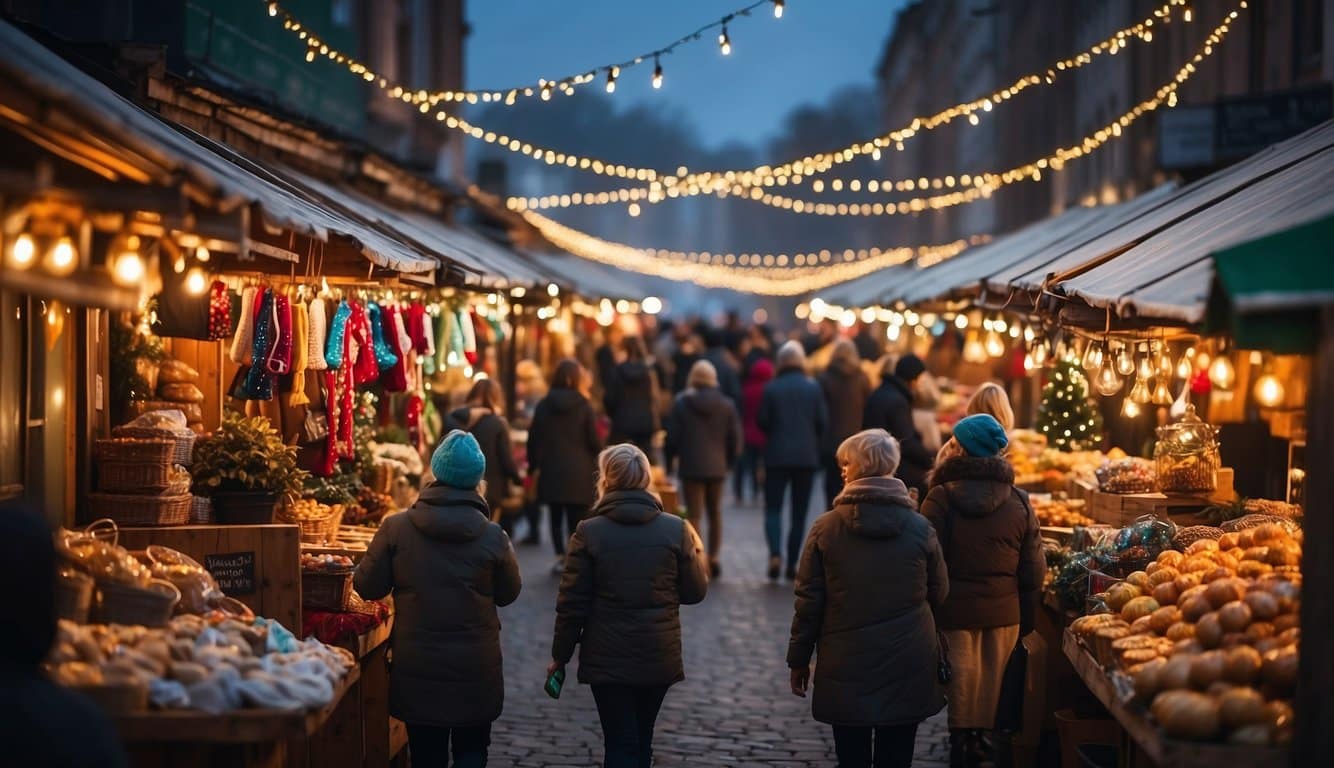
<point x="458" y="462"/>
<point x="981" y="435"/>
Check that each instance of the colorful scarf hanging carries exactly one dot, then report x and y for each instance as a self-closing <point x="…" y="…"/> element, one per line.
<point x="300" y="345"/>
<point x="319" y="330"/>
<point x="428" y="358"/>
<point x="469" y="336"/>
<point x="245" y="328"/>
<point x="259" y="381"/>
<point x="361" y="357"/>
<point x="395" y="377"/>
<point x="384" y="355"/>
<point x="279" y="360"/>
<point x="445" y="330"/>
<point x="335" y="347"/>
<point x="219" y="312"/>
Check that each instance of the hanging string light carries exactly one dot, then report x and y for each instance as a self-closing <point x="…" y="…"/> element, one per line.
<point x="657" y="73"/>
<point x="966" y="188"/>
<point x="317" y="47"/>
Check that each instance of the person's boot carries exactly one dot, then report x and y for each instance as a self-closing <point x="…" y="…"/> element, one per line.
<point x="958" y="738"/>
<point x="977" y="748"/>
<point x="775" y="565"/>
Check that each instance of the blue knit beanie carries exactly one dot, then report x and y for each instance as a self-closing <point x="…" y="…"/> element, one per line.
<point x="981" y="435"/>
<point x="458" y="462"/>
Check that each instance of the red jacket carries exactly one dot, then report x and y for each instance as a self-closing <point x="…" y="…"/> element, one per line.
<point x="752" y="390"/>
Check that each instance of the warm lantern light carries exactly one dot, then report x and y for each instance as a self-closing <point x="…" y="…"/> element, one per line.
<point x="995" y="345"/>
<point x="651" y="305"/>
<point x="1107" y="381"/>
<point x="553" y="290"/>
<point x="62" y="259"/>
<point x="1129" y="409"/>
<point x="128" y="268"/>
<point x="23" y="251"/>
<point x="1145" y="367"/>
<point x="1184" y="366"/>
<point x="1092" y="356"/>
<point x="1125" y="360"/>
<point x="195" y="282"/>
<point x="1140" y="393"/>
<point x="974" y="351"/>
<point x="961" y="321"/>
<point x="1221" y="373"/>
<point x="1269" y="391"/>
<point x="778" y="9"/>
<point x="1161" y="394"/>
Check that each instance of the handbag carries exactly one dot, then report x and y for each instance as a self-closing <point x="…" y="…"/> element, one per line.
<point x="944" y="672"/>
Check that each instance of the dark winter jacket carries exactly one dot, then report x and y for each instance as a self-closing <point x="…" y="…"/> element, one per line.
<point x="631" y="401"/>
<point x="870" y="576"/>
<point x="846" y="389"/>
<point x="563" y="447"/>
<point x="629" y="568"/>
<point x="794" y="419"/>
<point x="991" y="541"/>
<point x="760" y="373"/>
<point x="890" y="408"/>
<point x="448" y="567"/>
<point x="704" y="433"/>
<point x="493" y="435"/>
<point x="729" y="378"/>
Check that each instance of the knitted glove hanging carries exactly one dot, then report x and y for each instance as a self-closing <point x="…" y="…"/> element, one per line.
<point x="334" y="347"/>
<point x="245" y="328"/>
<point x="395" y="377"/>
<point x="384" y="356"/>
<point x="319" y="330"/>
<point x="416" y="324"/>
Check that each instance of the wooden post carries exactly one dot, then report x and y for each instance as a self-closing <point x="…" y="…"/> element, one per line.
<point x="1315" y="708"/>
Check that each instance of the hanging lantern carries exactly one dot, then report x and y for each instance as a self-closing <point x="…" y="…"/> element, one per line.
<point x="1161" y="394"/>
<point x="1140" y="393"/>
<point x="1092" y="357"/>
<point x="1107" y="381"/>
<point x="1221" y="373"/>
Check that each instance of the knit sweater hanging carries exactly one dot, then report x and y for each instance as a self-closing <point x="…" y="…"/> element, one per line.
<point x="333" y="349"/>
<point x="319" y="329"/>
<point x="245" y="328"/>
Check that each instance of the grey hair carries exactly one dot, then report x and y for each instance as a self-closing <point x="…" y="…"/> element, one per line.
<point x="869" y="453"/>
<point x="623" y="468"/>
<point x="702" y="374"/>
<point x="791" y="355"/>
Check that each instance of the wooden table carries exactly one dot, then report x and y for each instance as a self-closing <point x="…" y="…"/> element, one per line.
<point x="383" y="735"/>
<point x="1142" y="733"/>
<point x="250" y="738"/>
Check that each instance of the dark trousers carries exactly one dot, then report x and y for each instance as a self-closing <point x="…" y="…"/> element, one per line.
<point x="706" y="497"/>
<point x="833" y="479"/>
<point x="564" y="517"/>
<point x="893" y="747"/>
<point x="776" y="482"/>
<point x="532" y="512"/>
<point x="627" y="713"/>
<point x="429" y="746"/>
<point x="747" y="473"/>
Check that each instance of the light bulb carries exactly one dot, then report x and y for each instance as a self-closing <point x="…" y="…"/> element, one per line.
<point x="1015" y="331"/>
<point x="202" y="254"/>
<point x="1092" y="356"/>
<point x="1107" y="381"/>
<point x="1269" y="391"/>
<point x="1161" y="394"/>
<point x="1164" y="365"/>
<point x="1145" y="366"/>
<point x="994" y="344"/>
<point x="1221" y="373"/>
<point x="778" y="9"/>
<point x="62" y="259"/>
<point x="22" y="252"/>
<point x="195" y="282"/>
<point x="1029" y="335"/>
<point x="1040" y="353"/>
<point x="973" y="349"/>
<point x="273" y="9"/>
<point x="651" y="305"/>
<point x="553" y="290"/>
<point x="1028" y="362"/>
<point x="961" y="321"/>
<point x="1184" y="366"/>
<point x="1130" y="409"/>
<point x="611" y="79"/>
<point x="1125" y="360"/>
<point x="1140" y="392"/>
<point x="657" y="73"/>
<point x="724" y="42"/>
<point x="128" y="269"/>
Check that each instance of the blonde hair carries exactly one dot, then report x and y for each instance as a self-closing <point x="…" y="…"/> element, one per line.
<point x="869" y="453"/>
<point x="623" y="468"/>
<point x="990" y="398"/>
<point x="845" y="352"/>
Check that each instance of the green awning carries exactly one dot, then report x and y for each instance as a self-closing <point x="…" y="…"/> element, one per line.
<point x="1267" y="292"/>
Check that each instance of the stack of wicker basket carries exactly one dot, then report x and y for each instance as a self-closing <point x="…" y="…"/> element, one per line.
<point x="140" y="479"/>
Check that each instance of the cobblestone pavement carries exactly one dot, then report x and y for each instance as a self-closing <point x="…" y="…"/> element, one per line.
<point x="734" y="708"/>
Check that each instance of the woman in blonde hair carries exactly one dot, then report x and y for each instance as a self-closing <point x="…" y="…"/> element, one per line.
<point x="629" y="569"/>
<point x="990" y="398"/>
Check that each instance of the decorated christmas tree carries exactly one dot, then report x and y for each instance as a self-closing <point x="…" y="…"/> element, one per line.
<point x="1067" y="416"/>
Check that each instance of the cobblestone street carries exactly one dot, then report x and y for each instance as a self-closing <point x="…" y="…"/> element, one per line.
<point x="734" y="707"/>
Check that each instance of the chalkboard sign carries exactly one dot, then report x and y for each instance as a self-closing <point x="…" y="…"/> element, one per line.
<point x="234" y="572"/>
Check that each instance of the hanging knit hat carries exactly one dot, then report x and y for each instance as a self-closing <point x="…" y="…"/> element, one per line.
<point x="981" y="435"/>
<point x="458" y="462"/>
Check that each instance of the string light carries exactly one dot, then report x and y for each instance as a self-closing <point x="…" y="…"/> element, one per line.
<point x="766" y="274"/>
<point x="968" y="187"/>
<point x="657" y="73"/>
<point x="63" y="257"/>
<point x="316" y="46"/>
<point x="724" y="42"/>
<point x="611" y="79"/>
<point x="23" y="251"/>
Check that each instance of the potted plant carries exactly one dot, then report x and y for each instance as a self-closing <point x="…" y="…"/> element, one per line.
<point x="245" y="468"/>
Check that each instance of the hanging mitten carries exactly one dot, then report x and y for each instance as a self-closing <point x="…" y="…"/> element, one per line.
<point x="318" y="335"/>
<point x="416" y="324"/>
<point x="245" y="328"/>
<point x="335" y="345"/>
<point x="395" y="377"/>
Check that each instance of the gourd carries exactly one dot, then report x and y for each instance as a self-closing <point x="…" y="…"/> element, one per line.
<point x="1187" y="715"/>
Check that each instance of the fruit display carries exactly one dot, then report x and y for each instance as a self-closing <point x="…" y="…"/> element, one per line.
<point x="196" y="663"/>
<point x="369" y="508"/>
<point x="308" y="509"/>
<point x="1063" y="513"/>
<point x="1128" y="475"/>
<point x="1208" y="635"/>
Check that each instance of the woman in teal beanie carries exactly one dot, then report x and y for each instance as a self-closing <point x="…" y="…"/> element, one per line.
<point x="448" y="567"/>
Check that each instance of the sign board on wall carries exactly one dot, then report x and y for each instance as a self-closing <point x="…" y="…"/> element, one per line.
<point x="1231" y="129"/>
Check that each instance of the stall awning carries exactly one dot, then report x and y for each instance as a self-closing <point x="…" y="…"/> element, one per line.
<point x="589" y="278"/>
<point x="110" y="126"/>
<point x="1268" y="290"/>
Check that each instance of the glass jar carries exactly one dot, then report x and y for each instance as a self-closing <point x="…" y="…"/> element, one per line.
<point x="1187" y="455"/>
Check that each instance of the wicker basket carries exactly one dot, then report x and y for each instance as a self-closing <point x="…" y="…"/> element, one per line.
<point x="126" y="509"/>
<point x="201" y="511"/>
<point x="183" y="443"/>
<point x="122" y="604"/>
<point x="326" y="591"/>
<point x="117" y="698"/>
<point x="381" y="479"/>
<point x="154" y="450"/>
<point x="74" y="596"/>
<point x="314" y="530"/>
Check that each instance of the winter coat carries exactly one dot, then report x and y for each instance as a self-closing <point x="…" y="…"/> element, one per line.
<point x="493" y="435"/>
<point x="870" y="576"/>
<point x="704" y="432"/>
<point x="890" y="408"/>
<point x="845" y="389"/>
<point x="761" y="372"/>
<point x="632" y="402"/>
<point x="729" y="379"/>
<point x="991" y="541"/>
<point x="448" y="567"/>
<point x="794" y="419"/>
<point x="628" y="570"/>
<point x="563" y="447"/>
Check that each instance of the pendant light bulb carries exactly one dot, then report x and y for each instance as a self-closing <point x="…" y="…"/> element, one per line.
<point x="657" y="73"/>
<point x="1161" y="394"/>
<point x="995" y="344"/>
<point x="1040" y="353"/>
<point x="1269" y="391"/>
<point x="611" y="79"/>
<point x="778" y="9"/>
<point x="1184" y="366"/>
<point x="63" y="257"/>
<point x="1125" y="360"/>
<point x="1221" y="372"/>
<point x="724" y="42"/>
<point x="1107" y="381"/>
<point x="1130" y="409"/>
<point x="22" y="252"/>
<point x="1140" y="392"/>
<point x="1145" y="367"/>
<point x="1092" y="356"/>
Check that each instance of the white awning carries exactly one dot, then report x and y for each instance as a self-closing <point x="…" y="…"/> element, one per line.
<point x="589" y="278"/>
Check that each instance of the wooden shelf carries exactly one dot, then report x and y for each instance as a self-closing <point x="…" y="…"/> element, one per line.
<point x="1164" y="752"/>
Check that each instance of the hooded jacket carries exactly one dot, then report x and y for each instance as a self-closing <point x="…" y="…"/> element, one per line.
<point x="845" y="389"/>
<point x="448" y="567"/>
<point x="563" y="446"/>
<point x="794" y="419"/>
<point x="493" y="435"/>
<point x="704" y="433"/>
<point x="761" y="372"/>
<point x="991" y="541"/>
<point x="870" y="577"/>
<point x="628" y="570"/>
<point x="890" y="408"/>
<point x="631" y="401"/>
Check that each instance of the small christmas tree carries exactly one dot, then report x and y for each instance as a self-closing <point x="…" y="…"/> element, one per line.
<point x="1067" y="417"/>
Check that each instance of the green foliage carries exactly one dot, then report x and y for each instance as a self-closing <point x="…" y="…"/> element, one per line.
<point x="246" y="454"/>
<point x="1068" y="416"/>
<point x="127" y="347"/>
<point x="341" y="488"/>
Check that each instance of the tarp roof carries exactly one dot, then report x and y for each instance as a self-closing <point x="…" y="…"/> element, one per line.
<point x="589" y="278"/>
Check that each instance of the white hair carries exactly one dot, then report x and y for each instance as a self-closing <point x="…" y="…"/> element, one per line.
<point x="869" y="453"/>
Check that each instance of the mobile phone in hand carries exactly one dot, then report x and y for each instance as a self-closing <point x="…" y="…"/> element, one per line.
<point x="554" y="683"/>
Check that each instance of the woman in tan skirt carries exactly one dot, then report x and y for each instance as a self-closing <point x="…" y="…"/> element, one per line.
<point x="991" y="542"/>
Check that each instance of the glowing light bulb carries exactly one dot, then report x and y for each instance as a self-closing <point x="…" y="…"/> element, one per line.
<point x="1130" y="409"/>
<point x="1040" y="353"/>
<point x="724" y="42"/>
<point x="202" y="254"/>
<point x="1184" y="366"/>
<point x="1140" y="392"/>
<point x="657" y="73"/>
<point x="1161" y="394"/>
<point x="63" y="257"/>
<point x="1125" y="361"/>
<point x="1221" y="373"/>
<point x="651" y="305"/>
<point x="995" y="345"/>
<point x="778" y="9"/>
<point x="273" y="9"/>
<point x="1092" y="356"/>
<point x="129" y="268"/>
<point x="553" y="290"/>
<point x="1269" y="391"/>
<point x="1145" y="368"/>
<point x="195" y="282"/>
<point x="22" y="252"/>
<point x="974" y="351"/>
<point x="611" y="79"/>
<point x="961" y="321"/>
<point x="1107" y="381"/>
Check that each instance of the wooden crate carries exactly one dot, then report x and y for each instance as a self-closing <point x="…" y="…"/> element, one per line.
<point x="1123" y="508"/>
<point x="263" y="570"/>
